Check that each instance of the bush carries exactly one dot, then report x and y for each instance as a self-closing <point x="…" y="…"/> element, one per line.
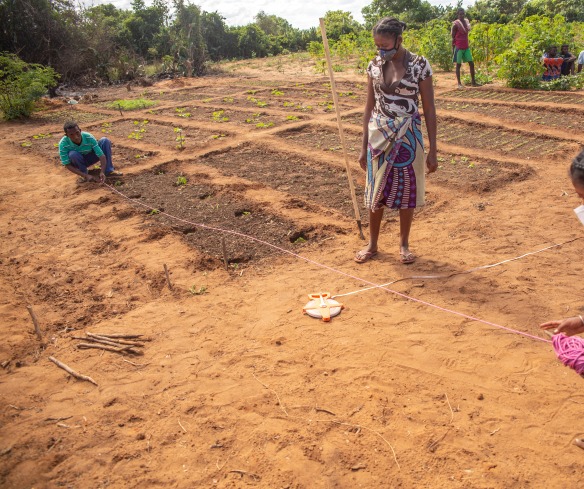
<point x="480" y="77"/>
<point x="21" y="85"/>
<point x="435" y="43"/>
<point x="565" y="83"/>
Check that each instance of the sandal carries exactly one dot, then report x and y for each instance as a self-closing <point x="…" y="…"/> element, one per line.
<point x="579" y="442"/>
<point x="114" y="174"/>
<point x="407" y="258"/>
<point x="363" y="256"/>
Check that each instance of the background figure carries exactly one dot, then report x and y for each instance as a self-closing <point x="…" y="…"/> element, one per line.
<point x="580" y="61"/>
<point x="460" y="48"/>
<point x="568" y="61"/>
<point x="393" y="146"/>
<point x="552" y="64"/>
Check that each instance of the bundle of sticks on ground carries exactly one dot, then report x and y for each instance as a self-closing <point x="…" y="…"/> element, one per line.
<point x="116" y="342"/>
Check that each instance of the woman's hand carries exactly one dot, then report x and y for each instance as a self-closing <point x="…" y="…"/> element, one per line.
<point x="432" y="161"/>
<point x="570" y="326"/>
<point x="363" y="159"/>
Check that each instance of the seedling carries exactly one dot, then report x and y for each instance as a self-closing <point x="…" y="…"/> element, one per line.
<point x="277" y="92"/>
<point x="153" y="212"/>
<point x="200" y="291"/>
<point x="218" y="136"/>
<point x="251" y="92"/>
<point x="180" y="139"/>
<point x="264" y="125"/>
<point x="27" y="144"/>
<point x="219" y="117"/>
<point x="206" y="100"/>
<point x="106" y="127"/>
<point x="471" y="165"/>
<point x="181" y="181"/>
<point x="139" y="132"/>
<point x="118" y="183"/>
<point x="181" y="112"/>
<point x="41" y="136"/>
<point x="246" y="213"/>
<point x="228" y="100"/>
<point x="299" y="240"/>
<point x="292" y="118"/>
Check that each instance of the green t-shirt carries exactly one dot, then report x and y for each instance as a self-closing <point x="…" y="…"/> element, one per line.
<point x="88" y="144"/>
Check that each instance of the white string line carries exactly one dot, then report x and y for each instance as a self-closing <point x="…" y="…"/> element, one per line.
<point x="427" y="277"/>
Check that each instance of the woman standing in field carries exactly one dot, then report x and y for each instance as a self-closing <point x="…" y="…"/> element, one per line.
<point x="393" y="146"/>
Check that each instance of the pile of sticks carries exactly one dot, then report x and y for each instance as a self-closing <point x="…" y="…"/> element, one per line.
<point x="126" y="344"/>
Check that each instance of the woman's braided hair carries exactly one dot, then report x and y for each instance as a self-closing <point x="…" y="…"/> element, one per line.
<point x="577" y="169"/>
<point x="389" y="26"/>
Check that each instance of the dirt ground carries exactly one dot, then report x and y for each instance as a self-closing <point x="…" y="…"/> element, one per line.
<point x="233" y="386"/>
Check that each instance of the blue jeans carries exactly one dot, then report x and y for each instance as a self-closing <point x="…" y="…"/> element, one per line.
<point x="82" y="162"/>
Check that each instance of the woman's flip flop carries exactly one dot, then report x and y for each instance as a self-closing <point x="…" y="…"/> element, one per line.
<point x="363" y="256"/>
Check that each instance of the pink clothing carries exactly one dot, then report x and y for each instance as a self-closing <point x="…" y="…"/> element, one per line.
<point x="460" y="30"/>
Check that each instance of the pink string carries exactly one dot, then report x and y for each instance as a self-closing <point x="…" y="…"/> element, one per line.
<point x="340" y="272"/>
<point x="570" y="351"/>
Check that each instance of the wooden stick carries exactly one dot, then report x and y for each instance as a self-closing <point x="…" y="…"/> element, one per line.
<point x="72" y="372"/>
<point x="225" y="262"/>
<point x="114" y="340"/>
<point x="37" y="328"/>
<point x="102" y="341"/>
<point x="167" y="276"/>
<point x="126" y="336"/>
<point x="341" y="133"/>
<point x="99" y="346"/>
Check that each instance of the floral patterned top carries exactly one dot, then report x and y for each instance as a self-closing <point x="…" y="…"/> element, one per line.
<point x="400" y="98"/>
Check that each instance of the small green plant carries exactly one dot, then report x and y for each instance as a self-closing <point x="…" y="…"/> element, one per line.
<point x="181" y="180"/>
<point x="133" y="104"/>
<point x="219" y="117"/>
<point x="27" y="144"/>
<point x="206" y="100"/>
<point x="292" y="118"/>
<point x="219" y="136"/>
<point x="246" y="213"/>
<point x="277" y="92"/>
<point x="140" y="130"/>
<point x="198" y="291"/>
<point x="182" y="112"/>
<point x="118" y="183"/>
<point x="106" y="127"/>
<point x="228" y="100"/>
<point x="41" y="136"/>
<point x="264" y="125"/>
<point x="288" y="104"/>
<point x="251" y="92"/>
<point x="299" y="240"/>
<point x="153" y="212"/>
<point x="180" y="139"/>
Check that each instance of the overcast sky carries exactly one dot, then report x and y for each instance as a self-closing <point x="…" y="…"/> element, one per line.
<point x="302" y="14"/>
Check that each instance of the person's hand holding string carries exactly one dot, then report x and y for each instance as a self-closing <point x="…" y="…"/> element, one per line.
<point x="569" y="327"/>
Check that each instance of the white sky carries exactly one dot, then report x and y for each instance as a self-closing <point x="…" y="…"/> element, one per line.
<point x="302" y="14"/>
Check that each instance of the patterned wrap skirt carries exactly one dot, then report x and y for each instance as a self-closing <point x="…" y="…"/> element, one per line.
<point x="395" y="163"/>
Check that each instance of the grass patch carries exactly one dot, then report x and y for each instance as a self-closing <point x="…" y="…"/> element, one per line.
<point x="135" y="104"/>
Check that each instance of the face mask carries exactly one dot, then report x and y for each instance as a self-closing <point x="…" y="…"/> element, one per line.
<point x="387" y="55"/>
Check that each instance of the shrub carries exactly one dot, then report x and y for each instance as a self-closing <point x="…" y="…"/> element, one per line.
<point x="21" y="85"/>
<point x="435" y="43"/>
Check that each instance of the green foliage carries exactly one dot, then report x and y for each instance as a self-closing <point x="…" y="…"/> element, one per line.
<point x="133" y="104"/>
<point x="181" y="180"/>
<point x="339" y="23"/>
<point x="480" y="77"/>
<point x="180" y="139"/>
<point x="219" y="117"/>
<point x="491" y="40"/>
<point x="21" y="85"/>
<point x="138" y="133"/>
<point x="565" y="83"/>
<point x="435" y="43"/>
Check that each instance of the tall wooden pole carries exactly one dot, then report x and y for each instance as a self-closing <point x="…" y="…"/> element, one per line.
<point x="341" y="133"/>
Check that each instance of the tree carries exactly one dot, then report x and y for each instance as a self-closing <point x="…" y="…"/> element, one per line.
<point x="339" y="23"/>
<point x="412" y="12"/>
<point x="252" y="42"/>
<point x="188" y="44"/>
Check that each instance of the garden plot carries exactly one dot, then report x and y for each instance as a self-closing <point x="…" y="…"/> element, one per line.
<point x="193" y="198"/>
<point x="519" y="96"/>
<point x="296" y="175"/>
<point x="254" y="120"/>
<point x="342" y="86"/>
<point x="494" y="139"/>
<point x="294" y="100"/>
<point x="560" y="118"/>
<point x="477" y="174"/>
<point x="324" y="139"/>
<point x="59" y="117"/>
<point x="182" y="95"/>
<point x="160" y="134"/>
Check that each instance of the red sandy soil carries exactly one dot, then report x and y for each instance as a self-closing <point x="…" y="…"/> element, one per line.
<point x="237" y="388"/>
